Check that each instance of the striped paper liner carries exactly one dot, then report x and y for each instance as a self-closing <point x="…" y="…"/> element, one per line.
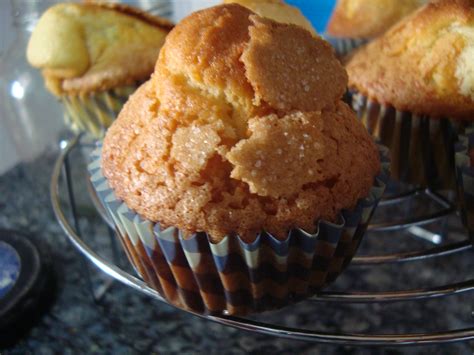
<point x="421" y="146"/>
<point x="344" y="46"/>
<point x="234" y="277"/>
<point x="94" y="112"/>
<point x="465" y="179"/>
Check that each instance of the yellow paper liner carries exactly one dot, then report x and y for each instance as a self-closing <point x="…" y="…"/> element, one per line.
<point x="94" y="112"/>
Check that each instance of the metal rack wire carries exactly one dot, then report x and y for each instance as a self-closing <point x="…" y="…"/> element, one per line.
<point x="62" y="171"/>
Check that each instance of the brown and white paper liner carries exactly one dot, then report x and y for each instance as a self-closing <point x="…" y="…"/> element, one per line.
<point x="421" y="146"/>
<point x="234" y="277"/>
<point x="465" y="179"/>
<point x="344" y="46"/>
<point x="95" y="112"/>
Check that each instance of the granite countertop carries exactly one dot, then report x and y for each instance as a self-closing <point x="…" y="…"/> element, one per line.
<point x="126" y="322"/>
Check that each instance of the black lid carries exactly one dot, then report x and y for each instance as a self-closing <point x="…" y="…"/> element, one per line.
<point x="26" y="286"/>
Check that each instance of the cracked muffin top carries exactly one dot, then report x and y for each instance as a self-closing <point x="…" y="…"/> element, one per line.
<point x="368" y="18"/>
<point x="241" y="129"/>
<point x="424" y="64"/>
<point x="276" y="10"/>
<point x="95" y="47"/>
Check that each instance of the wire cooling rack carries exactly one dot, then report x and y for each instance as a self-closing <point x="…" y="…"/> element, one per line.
<point x="65" y="207"/>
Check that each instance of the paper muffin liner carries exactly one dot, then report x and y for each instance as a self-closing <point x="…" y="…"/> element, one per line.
<point x="94" y="112"/>
<point x="344" y="46"/>
<point x="465" y="179"/>
<point x="234" y="277"/>
<point x="422" y="147"/>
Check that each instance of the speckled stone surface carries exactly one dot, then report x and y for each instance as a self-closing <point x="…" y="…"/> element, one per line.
<point x="126" y="322"/>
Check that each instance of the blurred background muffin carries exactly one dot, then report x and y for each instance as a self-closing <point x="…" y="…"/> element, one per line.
<point x="415" y="89"/>
<point x="366" y="19"/>
<point x="240" y="143"/>
<point x="93" y="56"/>
<point x="354" y="22"/>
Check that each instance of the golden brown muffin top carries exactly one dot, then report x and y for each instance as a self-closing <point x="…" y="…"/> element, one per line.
<point x="368" y="18"/>
<point x="276" y="10"/>
<point x="95" y="47"/>
<point x="241" y="129"/>
<point x="424" y="64"/>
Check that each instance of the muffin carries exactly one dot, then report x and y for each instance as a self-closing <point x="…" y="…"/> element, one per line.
<point x="465" y="179"/>
<point x="93" y="56"/>
<point x="354" y="22"/>
<point x="366" y="19"/>
<point x="276" y="10"/>
<point x="237" y="178"/>
<point x="414" y="89"/>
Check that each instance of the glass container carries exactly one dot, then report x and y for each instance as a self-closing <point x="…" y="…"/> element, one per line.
<point x="30" y="117"/>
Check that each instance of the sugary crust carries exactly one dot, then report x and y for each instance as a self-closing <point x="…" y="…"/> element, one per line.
<point x="195" y="149"/>
<point x="368" y="18"/>
<point x="203" y="54"/>
<point x="280" y="65"/>
<point x="285" y="156"/>
<point x="424" y="64"/>
<point x="276" y="10"/>
<point x="83" y="48"/>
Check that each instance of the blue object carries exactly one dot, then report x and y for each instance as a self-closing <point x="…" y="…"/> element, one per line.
<point x="10" y="265"/>
<point x="317" y="11"/>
